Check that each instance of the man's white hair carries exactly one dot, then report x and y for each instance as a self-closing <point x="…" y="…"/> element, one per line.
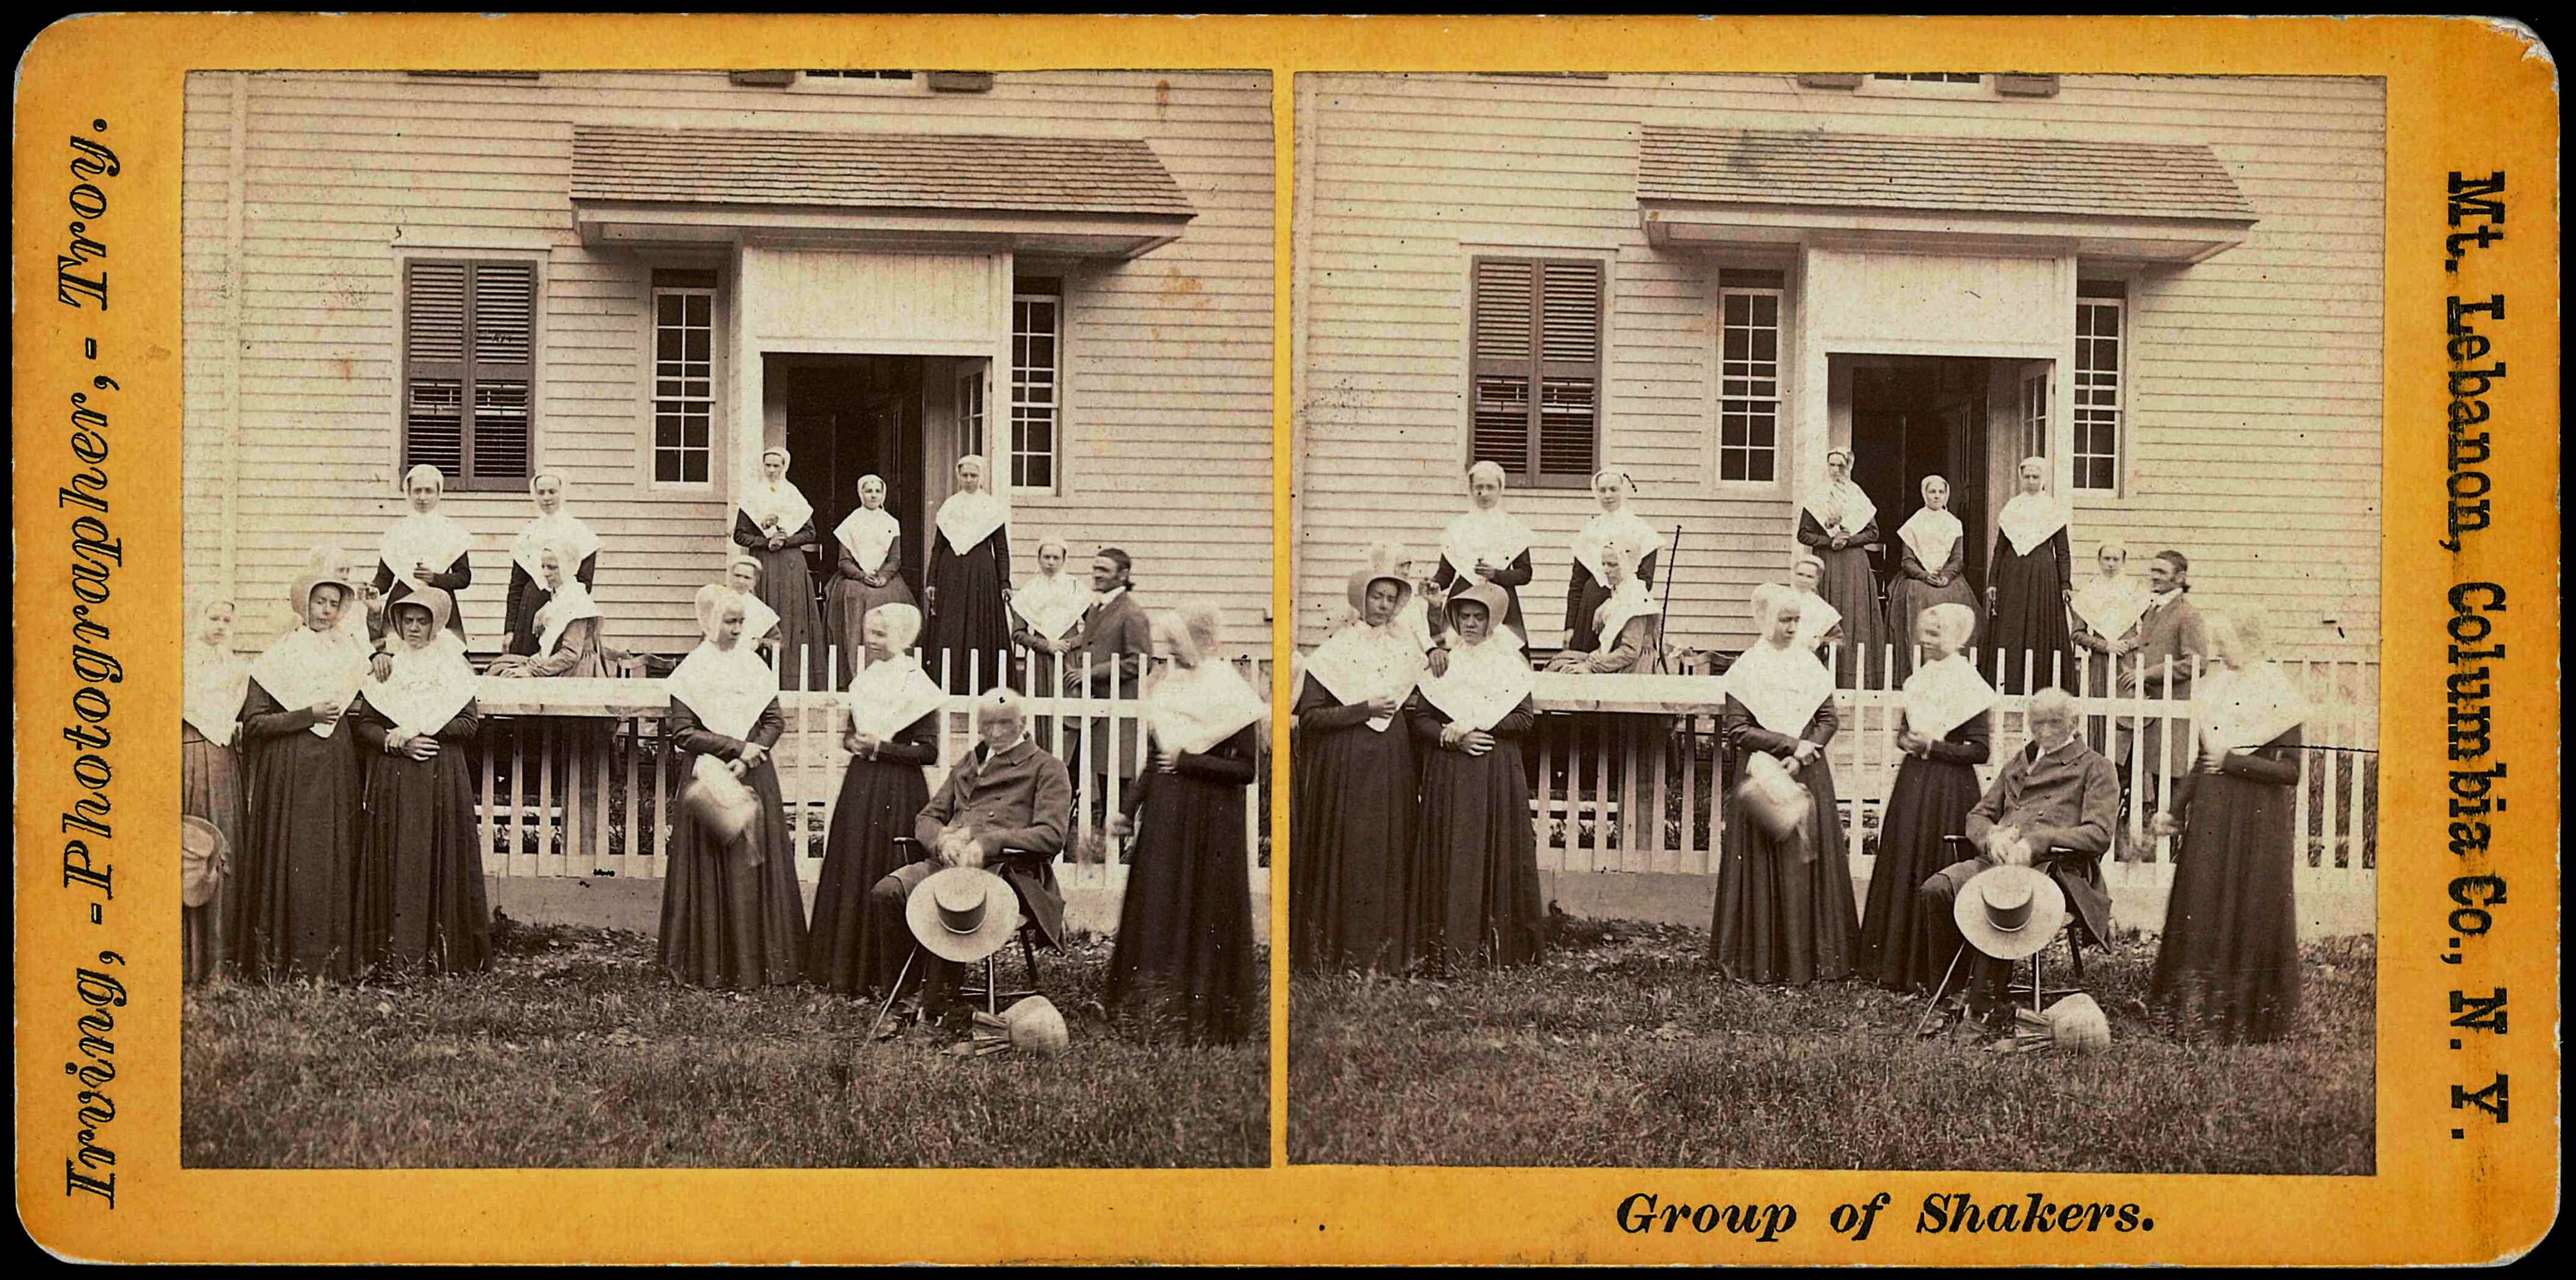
<point x="999" y="700"/>
<point x="2053" y="703"/>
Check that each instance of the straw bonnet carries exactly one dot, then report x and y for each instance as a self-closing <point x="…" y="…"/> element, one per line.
<point x="1361" y="578"/>
<point x="1031" y="1026"/>
<point x="440" y="604"/>
<point x="720" y="804"/>
<point x="299" y="593"/>
<point x="962" y="913"/>
<point x="1772" y="796"/>
<point x="1497" y="604"/>
<point x="2009" y="912"/>
<point x="203" y="852"/>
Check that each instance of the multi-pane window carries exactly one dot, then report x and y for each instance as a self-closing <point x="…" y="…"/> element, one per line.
<point x="1037" y="385"/>
<point x="2099" y="334"/>
<point x="862" y="75"/>
<point x="970" y="408"/>
<point x="469" y="362"/>
<point x="1535" y="376"/>
<point x="2034" y="412"/>
<point x="684" y="388"/>
<point x="1929" y="77"/>
<point x="1748" y="408"/>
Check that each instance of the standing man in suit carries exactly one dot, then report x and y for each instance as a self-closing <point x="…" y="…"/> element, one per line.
<point x="1116" y="638"/>
<point x="2171" y="628"/>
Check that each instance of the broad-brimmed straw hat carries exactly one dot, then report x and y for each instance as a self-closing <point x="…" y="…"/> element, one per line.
<point x="2009" y="911"/>
<point x="962" y="913"/>
<point x="203" y="853"/>
<point x="1033" y="1026"/>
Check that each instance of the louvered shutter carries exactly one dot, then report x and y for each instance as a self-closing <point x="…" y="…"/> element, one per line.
<point x="1536" y="383"/>
<point x="469" y="342"/>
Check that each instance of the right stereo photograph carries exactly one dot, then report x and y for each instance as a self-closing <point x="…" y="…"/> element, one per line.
<point x="1837" y="621"/>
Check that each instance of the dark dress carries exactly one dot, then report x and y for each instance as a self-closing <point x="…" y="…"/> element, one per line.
<point x="880" y="798"/>
<point x="727" y="922"/>
<point x="519" y="611"/>
<point x="210" y="787"/>
<point x="1584" y="596"/>
<point x="1784" y="908"/>
<point x="787" y="587"/>
<point x="420" y="858"/>
<point x="1511" y="578"/>
<point x="2228" y="967"/>
<point x="1849" y="585"/>
<point x="846" y="601"/>
<point x="1930" y="799"/>
<point x="2030" y="611"/>
<point x="1183" y="964"/>
<point x="1475" y="890"/>
<point x="458" y="576"/>
<point x="1913" y="592"/>
<point x="290" y="906"/>
<point x="971" y="632"/>
<point x="1352" y="839"/>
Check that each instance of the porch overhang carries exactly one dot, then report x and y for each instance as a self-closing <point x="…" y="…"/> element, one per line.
<point x="631" y="224"/>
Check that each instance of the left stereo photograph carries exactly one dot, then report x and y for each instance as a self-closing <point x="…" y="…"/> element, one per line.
<point x="728" y="619"/>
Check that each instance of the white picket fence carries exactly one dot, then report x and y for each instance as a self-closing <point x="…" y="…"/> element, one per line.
<point x="576" y="778"/>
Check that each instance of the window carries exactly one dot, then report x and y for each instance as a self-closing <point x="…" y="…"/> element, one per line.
<point x="1929" y="77"/>
<point x="1037" y="383"/>
<point x="2099" y="308"/>
<point x="970" y="408"/>
<point x="469" y="335"/>
<point x="684" y="387"/>
<point x="905" y="76"/>
<point x="1748" y="408"/>
<point x="2034" y="413"/>
<point x="1535" y="376"/>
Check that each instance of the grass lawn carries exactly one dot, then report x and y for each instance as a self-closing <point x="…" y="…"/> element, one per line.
<point x="574" y="1050"/>
<point x="1624" y="1048"/>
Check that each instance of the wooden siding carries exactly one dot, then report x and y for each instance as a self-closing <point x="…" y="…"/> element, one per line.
<point x="2253" y="381"/>
<point x="300" y="190"/>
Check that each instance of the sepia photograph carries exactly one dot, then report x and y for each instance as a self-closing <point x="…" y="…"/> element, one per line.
<point x="728" y="618"/>
<point x="1837" y="621"/>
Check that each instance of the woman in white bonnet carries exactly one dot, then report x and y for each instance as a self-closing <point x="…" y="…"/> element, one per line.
<point x="774" y="524"/>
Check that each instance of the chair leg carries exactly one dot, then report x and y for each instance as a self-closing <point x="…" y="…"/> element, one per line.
<point x="1029" y="954"/>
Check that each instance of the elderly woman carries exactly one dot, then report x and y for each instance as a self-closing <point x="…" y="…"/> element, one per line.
<point x="1488" y="544"/>
<point x="1475" y="851"/>
<point x="1183" y="965"/>
<point x="867" y="573"/>
<point x="1945" y="728"/>
<point x="1839" y="526"/>
<point x="774" y="524"/>
<point x="1626" y="627"/>
<point x="731" y="912"/>
<point x="215" y="682"/>
<point x="1588" y="583"/>
<point x="1349" y="900"/>
<point x="290" y="906"/>
<point x="553" y="527"/>
<point x="2228" y="967"/>
<point x="1932" y="569"/>
<point x="1784" y="903"/>
<point x="890" y="727"/>
<point x="2027" y="583"/>
<point x="420" y="852"/>
<point x="425" y="548"/>
<point x="566" y="627"/>
<point x="970" y="584"/>
<point x="1044" y="614"/>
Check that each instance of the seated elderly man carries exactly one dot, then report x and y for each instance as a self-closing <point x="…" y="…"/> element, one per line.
<point x="2054" y="805"/>
<point x="1006" y="795"/>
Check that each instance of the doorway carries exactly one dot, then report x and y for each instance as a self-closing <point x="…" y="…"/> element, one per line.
<point x="853" y="416"/>
<point x="1917" y="416"/>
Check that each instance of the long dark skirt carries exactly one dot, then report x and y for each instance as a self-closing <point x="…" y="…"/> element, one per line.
<point x="846" y="602"/>
<point x="291" y="905"/>
<point x="1475" y="887"/>
<point x="1352" y="850"/>
<point x="420" y="866"/>
<point x="971" y="633"/>
<point x="2229" y="964"/>
<point x="1781" y="918"/>
<point x="787" y="586"/>
<point x="879" y="801"/>
<point x="2030" y="614"/>
<point x="1929" y="800"/>
<point x="1907" y="598"/>
<point x="1851" y="588"/>
<point x="210" y="787"/>
<point x="1184" y="960"/>
<point x="725" y="922"/>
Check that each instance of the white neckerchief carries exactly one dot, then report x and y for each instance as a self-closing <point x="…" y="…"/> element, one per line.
<point x="1816" y="616"/>
<point x="1413" y="622"/>
<point x="782" y="502"/>
<point x="1497" y="537"/>
<point x="216" y="681"/>
<point x="568" y="606"/>
<point x="1625" y="604"/>
<point x="428" y="538"/>
<point x="966" y="519"/>
<point x="1842" y="507"/>
<point x="560" y="530"/>
<point x="2030" y="519"/>
<point x="1941" y="696"/>
<point x="1362" y="662"/>
<point x="425" y="689"/>
<point x="2111" y="604"/>
<point x="2249" y="708"/>
<point x="1621" y="526"/>
<point x="867" y="534"/>
<point x="1483" y="684"/>
<point x="1194" y="709"/>
<point x="1781" y="687"/>
<point x="885" y="698"/>
<point x="728" y="689"/>
<point x="306" y="666"/>
<point x="1931" y="534"/>
<point x="1051" y="604"/>
<point x="757" y="617"/>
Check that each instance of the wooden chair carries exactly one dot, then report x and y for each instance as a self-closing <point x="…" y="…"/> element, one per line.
<point x="990" y="988"/>
<point x="1957" y="849"/>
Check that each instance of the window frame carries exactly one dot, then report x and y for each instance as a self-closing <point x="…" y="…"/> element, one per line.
<point x="654" y="399"/>
<point x="1983" y="89"/>
<point x="2123" y="305"/>
<point x="1054" y="404"/>
<point x="1531" y="475"/>
<point x="914" y="82"/>
<point x="1777" y="400"/>
<point x="471" y="257"/>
